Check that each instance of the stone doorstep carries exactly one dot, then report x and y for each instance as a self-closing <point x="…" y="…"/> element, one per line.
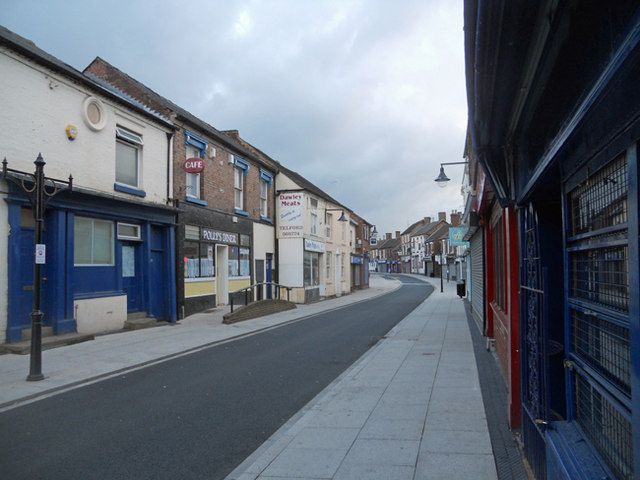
<point x="24" y="347"/>
<point x="142" y="322"/>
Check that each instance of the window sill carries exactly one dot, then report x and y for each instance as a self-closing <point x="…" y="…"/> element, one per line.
<point x="119" y="187"/>
<point x="239" y="211"/>
<point x="197" y="201"/>
<point x="199" y="279"/>
<point x="266" y="219"/>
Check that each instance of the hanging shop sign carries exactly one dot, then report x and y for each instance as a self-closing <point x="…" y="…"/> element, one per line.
<point x="314" y="246"/>
<point x="456" y="236"/>
<point x="193" y="165"/>
<point x="356" y="260"/>
<point x="290" y="212"/>
<point x="218" y="236"/>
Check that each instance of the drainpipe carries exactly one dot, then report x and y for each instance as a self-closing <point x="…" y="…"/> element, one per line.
<point x="276" y="247"/>
<point x="169" y="143"/>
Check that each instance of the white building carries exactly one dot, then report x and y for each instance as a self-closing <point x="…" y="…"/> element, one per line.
<point x="315" y="240"/>
<point x="109" y="242"/>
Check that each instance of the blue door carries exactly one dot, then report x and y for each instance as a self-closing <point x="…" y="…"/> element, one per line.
<point x="269" y="276"/>
<point x="131" y="275"/>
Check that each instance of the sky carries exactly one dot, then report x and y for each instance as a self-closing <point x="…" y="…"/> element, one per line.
<point x="363" y="98"/>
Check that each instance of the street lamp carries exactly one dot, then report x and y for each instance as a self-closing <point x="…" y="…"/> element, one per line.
<point x="40" y="190"/>
<point x="342" y="216"/>
<point x="442" y="179"/>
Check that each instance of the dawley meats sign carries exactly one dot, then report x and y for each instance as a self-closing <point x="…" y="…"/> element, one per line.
<point x="291" y="210"/>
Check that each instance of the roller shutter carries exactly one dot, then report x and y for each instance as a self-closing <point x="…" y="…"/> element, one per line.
<point x="477" y="277"/>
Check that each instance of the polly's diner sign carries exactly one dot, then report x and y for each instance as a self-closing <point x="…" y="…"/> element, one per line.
<point x="193" y="165"/>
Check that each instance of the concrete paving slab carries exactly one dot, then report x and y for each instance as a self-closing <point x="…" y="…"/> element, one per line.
<point x="413" y="401"/>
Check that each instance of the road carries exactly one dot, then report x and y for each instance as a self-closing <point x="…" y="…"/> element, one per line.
<point x="196" y="416"/>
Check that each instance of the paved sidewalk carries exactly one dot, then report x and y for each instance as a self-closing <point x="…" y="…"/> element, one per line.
<point x="410" y="408"/>
<point x="74" y="365"/>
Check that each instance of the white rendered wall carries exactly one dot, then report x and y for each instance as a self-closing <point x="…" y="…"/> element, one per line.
<point x="263" y="243"/>
<point x="290" y="259"/>
<point x="37" y="105"/>
<point x="97" y="315"/>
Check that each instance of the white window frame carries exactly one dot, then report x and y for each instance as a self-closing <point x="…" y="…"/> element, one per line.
<point x="113" y="257"/>
<point x="328" y="221"/>
<point x="134" y="140"/>
<point x="264" y="198"/>
<point x="313" y="210"/>
<point x="238" y="191"/>
<point x="128" y="237"/>
<point x="191" y="148"/>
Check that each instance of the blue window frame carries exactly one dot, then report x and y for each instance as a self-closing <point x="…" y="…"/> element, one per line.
<point x="601" y="311"/>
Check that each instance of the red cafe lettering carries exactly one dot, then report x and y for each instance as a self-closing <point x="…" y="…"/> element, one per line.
<point x="193" y="165"/>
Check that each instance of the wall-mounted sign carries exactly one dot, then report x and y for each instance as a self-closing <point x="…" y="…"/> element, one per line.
<point x="193" y="165"/>
<point x="41" y="253"/>
<point x="456" y="235"/>
<point x="218" y="236"/>
<point x="314" y="246"/>
<point x="373" y="240"/>
<point x="290" y="215"/>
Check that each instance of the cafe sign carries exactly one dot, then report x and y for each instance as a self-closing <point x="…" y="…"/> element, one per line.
<point x="193" y="165"/>
<point x="211" y="235"/>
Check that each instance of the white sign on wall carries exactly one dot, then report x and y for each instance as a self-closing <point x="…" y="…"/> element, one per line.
<point x="291" y="219"/>
<point x="314" y="246"/>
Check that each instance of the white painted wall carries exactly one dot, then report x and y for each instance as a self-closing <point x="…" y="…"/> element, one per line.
<point x="97" y="315"/>
<point x="4" y="264"/>
<point x="290" y="260"/>
<point x="263" y="243"/>
<point x="37" y="105"/>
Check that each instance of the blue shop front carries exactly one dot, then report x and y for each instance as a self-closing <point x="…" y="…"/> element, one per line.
<point x="558" y="136"/>
<point x="106" y="259"/>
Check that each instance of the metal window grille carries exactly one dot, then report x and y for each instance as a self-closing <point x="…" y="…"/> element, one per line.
<point x="601" y="200"/>
<point x="604" y="346"/>
<point x="601" y="276"/>
<point x="607" y="428"/>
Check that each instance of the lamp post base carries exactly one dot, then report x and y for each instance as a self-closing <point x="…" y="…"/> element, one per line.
<point x="35" y="377"/>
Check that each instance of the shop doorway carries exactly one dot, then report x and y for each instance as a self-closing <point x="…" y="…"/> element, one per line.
<point x="131" y="275"/>
<point x="269" y="271"/>
<point x="338" y="275"/>
<point x="222" y="275"/>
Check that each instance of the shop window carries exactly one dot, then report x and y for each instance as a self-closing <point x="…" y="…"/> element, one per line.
<point x="199" y="260"/>
<point x="499" y="286"/>
<point x="128" y="147"/>
<point x="92" y="242"/>
<point x="600" y="292"/>
<point x="311" y="269"/>
<point x="193" y="179"/>
<point x="328" y="260"/>
<point x="239" y="262"/>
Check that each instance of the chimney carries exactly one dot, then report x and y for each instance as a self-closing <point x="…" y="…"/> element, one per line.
<point x="397" y="233"/>
<point x="232" y="133"/>
<point x="442" y="216"/>
<point x="387" y="236"/>
<point x="426" y="220"/>
<point x="455" y="219"/>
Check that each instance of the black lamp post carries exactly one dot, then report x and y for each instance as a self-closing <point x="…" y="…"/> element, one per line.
<point x="40" y="190"/>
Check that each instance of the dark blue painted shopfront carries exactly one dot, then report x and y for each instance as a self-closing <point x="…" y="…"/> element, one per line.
<point x="138" y="239"/>
<point x="554" y="111"/>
